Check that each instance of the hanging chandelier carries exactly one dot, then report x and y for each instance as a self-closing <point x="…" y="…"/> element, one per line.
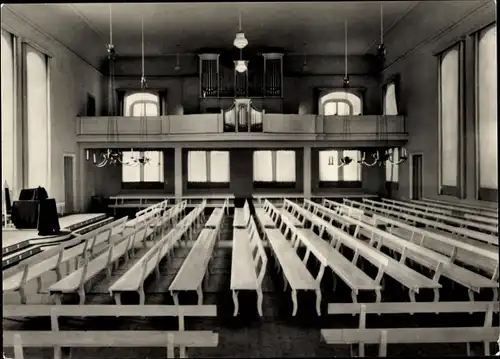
<point x="110" y="156"/>
<point x="240" y="41"/>
<point x="241" y="66"/>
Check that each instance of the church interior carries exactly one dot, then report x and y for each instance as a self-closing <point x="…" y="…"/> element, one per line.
<point x="321" y="164"/>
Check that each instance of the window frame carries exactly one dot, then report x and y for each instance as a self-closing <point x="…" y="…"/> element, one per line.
<point x="458" y="190"/>
<point x="208" y="184"/>
<point x="481" y="193"/>
<point x="340" y="183"/>
<point x="321" y="92"/>
<point x="274" y="184"/>
<point x="128" y="93"/>
<point x="141" y="184"/>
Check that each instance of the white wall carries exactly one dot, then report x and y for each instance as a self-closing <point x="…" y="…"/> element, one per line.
<point x="71" y="79"/>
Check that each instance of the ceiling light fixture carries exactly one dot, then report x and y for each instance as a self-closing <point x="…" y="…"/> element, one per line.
<point x="240" y="40"/>
<point x="241" y="66"/>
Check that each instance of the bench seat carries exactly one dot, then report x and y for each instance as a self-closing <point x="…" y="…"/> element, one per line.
<point x="296" y="222"/>
<point x="295" y="271"/>
<point x="352" y="276"/>
<point x="243" y="275"/>
<point x="264" y="218"/>
<point x="190" y="275"/>
<point x="239" y="218"/>
<point x="214" y="218"/>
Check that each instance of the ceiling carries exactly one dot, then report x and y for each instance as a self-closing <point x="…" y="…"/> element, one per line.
<point x="295" y="27"/>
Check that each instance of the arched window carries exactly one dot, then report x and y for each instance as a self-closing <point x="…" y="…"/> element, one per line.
<point x="449" y="120"/>
<point x="487" y="111"/>
<point x="141" y="104"/>
<point x="8" y="108"/>
<point x="37" y="117"/>
<point x="340" y="103"/>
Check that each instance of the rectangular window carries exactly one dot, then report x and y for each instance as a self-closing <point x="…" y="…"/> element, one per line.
<point x="37" y="119"/>
<point x="331" y="170"/>
<point x="328" y="166"/>
<point x="151" y="171"/>
<point x="392" y="170"/>
<point x="390" y="103"/>
<point x="274" y="166"/>
<point x="208" y="167"/>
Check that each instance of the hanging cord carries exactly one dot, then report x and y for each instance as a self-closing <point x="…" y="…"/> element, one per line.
<point x="144" y="119"/>
<point x="381" y="23"/>
<point x="346" y="124"/>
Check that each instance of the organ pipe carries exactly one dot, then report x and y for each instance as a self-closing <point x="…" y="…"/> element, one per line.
<point x="273" y="74"/>
<point x="209" y="75"/>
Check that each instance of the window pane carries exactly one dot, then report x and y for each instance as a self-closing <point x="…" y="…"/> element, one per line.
<point x="219" y="166"/>
<point x="7" y="104"/>
<point x="197" y="166"/>
<point x="392" y="171"/>
<point x="37" y="117"/>
<point x="285" y="166"/>
<point x="449" y="117"/>
<point x="354" y="100"/>
<point x="343" y="109"/>
<point x="130" y="173"/>
<point x="328" y="166"/>
<point x="153" y="170"/>
<point x="330" y="108"/>
<point x="352" y="171"/>
<point x="390" y="104"/>
<point x="135" y="103"/>
<point x="487" y="108"/>
<point x="262" y="166"/>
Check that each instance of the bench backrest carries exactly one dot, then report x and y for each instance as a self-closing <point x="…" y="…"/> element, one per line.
<point x="160" y="205"/>
<point x="258" y="252"/>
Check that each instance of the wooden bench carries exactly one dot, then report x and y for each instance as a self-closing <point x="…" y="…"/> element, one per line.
<point x="133" y="279"/>
<point x="247" y="253"/>
<point x="461" y="205"/>
<point x="136" y="200"/>
<point x="361" y="335"/>
<point x="295" y="273"/>
<point x="241" y="216"/>
<point x="288" y="211"/>
<point x="153" y="211"/>
<point x="16" y="277"/>
<point x="195" y="267"/>
<point x="409" y="278"/>
<point x="440" y="264"/>
<point x="438" y="217"/>
<point x="347" y="271"/>
<point x="120" y="247"/>
<point x="444" y="211"/>
<point x="56" y="338"/>
<point x="453" y="230"/>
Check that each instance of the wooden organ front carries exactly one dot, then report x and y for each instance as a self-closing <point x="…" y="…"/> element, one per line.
<point x="263" y="81"/>
<point x="242" y="116"/>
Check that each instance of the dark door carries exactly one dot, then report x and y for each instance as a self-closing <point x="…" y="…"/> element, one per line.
<point x="68" y="184"/>
<point x="417" y="177"/>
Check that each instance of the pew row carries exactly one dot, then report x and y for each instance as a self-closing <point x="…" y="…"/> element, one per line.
<point x="438" y="217"/>
<point x="194" y="269"/>
<point x="55" y="338"/>
<point x="361" y="335"/>
<point x="133" y="279"/>
<point x="145" y="214"/>
<point x="429" y="224"/>
<point x="263" y="218"/>
<point x="120" y="247"/>
<point x="215" y="216"/>
<point x="347" y="271"/>
<point x="490" y="211"/>
<point x="247" y="253"/>
<point x="406" y="276"/>
<point x="445" y="211"/>
<point x="295" y="273"/>
<point x="82" y="246"/>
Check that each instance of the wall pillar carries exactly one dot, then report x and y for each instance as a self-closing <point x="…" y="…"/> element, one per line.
<point x="307" y="171"/>
<point x="178" y="171"/>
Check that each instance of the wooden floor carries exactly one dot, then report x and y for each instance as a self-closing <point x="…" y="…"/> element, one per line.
<point x="276" y="334"/>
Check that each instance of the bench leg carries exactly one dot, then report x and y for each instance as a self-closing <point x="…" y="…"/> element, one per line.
<point x="378" y="296"/>
<point x="236" y="303"/>
<point x="436" y="295"/>
<point x="118" y="299"/>
<point x="318" y="302"/>
<point x="81" y="293"/>
<point x="58" y="298"/>
<point x="295" y="303"/>
<point x="39" y="284"/>
<point x="260" y="298"/>
<point x="22" y="294"/>
<point x="354" y="296"/>
<point x="495" y="294"/>
<point x="142" y="295"/>
<point x="285" y="283"/>
<point x="175" y="296"/>
<point x="200" y="295"/>
<point x="471" y="295"/>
